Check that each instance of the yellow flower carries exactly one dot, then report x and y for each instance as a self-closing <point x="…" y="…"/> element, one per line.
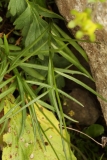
<point x="87" y="26"/>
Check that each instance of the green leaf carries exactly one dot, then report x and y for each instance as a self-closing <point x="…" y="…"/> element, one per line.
<point x="5" y="93"/>
<point x="32" y="26"/>
<point x="16" y="6"/>
<point x="32" y="72"/>
<point x="94" y="130"/>
<point x="47" y="13"/>
<point x="1" y="19"/>
<point x="60" y="82"/>
<point x="81" y="84"/>
<point x="25" y="51"/>
<point x="14" y="48"/>
<point x="1" y="41"/>
<point x="74" y="61"/>
<point x="3" y="65"/>
<point x="6" y="46"/>
<point x="42" y="63"/>
<point x="25" y="147"/>
<point x="63" y="62"/>
<point x="11" y="47"/>
<point x="41" y="3"/>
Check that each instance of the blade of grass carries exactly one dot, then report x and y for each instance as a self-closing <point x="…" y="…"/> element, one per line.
<point x="39" y="83"/>
<point x="36" y="66"/>
<point x="3" y="67"/>
<point x="60" y="44"/>
<point x="6" y="46"/>
<point x="8" y="91"/>
<point x="23" y="53"/>
<point x="27" y="105"/>
<point x="68" y="96"/>
<point x="32" y="72"/>
<point x="33" y="113"/>
<point x="36" y="52"/>
<point x="42" y="103"/>
<point x="82" y="84"/>
<point x="9" y="113"/>
<point x="70" y="71"/>
<point x="62" y="121"/>
<point x="72" y="42"/>
<point x="78" y="65"/>
<point x="22" y="95"/>
<point x="54" y="97"/>
<point x="45" y="68"/>
<point x="52" y="92"/>
<point x="4" y="127"/>
<point x="7" y="81"/>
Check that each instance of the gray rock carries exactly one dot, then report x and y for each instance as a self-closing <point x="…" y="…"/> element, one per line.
<point x="86" y="115"/>
<point x="96" y="52"/>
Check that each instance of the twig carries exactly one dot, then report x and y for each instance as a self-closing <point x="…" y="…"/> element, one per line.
<point x="84" y="134"/>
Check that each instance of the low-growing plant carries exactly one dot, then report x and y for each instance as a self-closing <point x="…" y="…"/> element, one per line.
<point x="29" y="128"/>
<point x="90" y="148"/>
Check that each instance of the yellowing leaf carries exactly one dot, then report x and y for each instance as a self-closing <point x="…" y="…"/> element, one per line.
<point x="43" y="120"/>
<point x="26" y="147"/>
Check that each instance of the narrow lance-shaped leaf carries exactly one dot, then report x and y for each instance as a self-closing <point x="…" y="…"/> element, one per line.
<point x="47" y="13"/>
<point x="32" y="72"/>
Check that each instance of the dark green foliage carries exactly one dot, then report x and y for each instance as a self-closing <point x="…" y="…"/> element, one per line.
<point x="41" y="61"/>
<point x="94" y="130"/>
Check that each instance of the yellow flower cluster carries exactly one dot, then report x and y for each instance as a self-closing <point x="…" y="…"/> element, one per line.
<point x="87" y="26"/>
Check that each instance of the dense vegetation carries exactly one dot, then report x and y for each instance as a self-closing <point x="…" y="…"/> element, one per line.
<point x="35" y="58"/>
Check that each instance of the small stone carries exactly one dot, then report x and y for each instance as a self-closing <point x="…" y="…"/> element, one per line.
<point x="86" y="115"/>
